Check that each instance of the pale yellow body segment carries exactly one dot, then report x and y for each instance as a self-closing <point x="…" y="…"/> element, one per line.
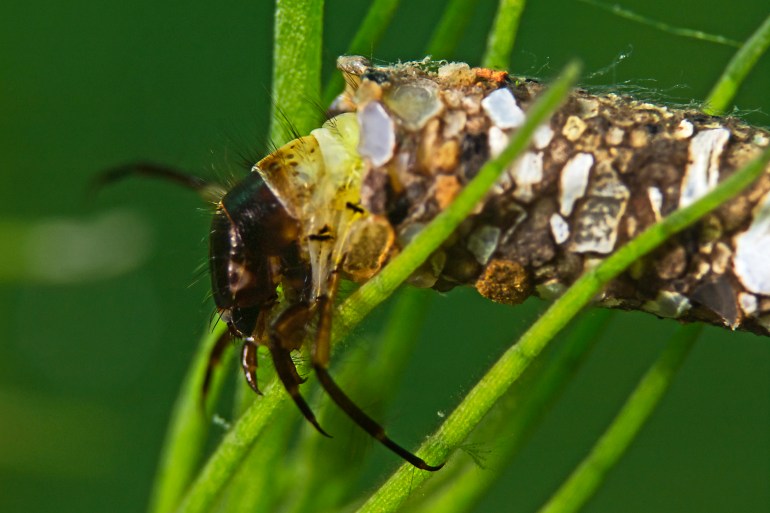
<point x="317" y="178"/>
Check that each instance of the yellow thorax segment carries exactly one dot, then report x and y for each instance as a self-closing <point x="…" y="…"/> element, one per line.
<point x="318" y="180"/>
<point x="313" y="173"/>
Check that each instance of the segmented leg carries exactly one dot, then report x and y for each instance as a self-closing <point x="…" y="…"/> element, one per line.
<point x="286" y="371"/>
<point x="291" y="326"/>
<point x="208" y="190"/>
<point x="249" y="364"/>
<point x="320" y="354"/>
<point x="280" y="343"/>
<point x="214" y="358"/>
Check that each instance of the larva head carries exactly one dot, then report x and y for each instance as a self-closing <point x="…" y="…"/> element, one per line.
<point x="252" y="240"/>
<point x="262" y="230"/>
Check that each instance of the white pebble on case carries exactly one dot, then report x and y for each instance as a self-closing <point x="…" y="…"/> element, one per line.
<point x="573" y="181"/>
<point x="378" y="136"/>
<point x="502" y="109"/>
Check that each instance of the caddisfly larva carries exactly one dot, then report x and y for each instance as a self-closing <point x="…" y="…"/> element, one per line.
<point x="406" y="138"/>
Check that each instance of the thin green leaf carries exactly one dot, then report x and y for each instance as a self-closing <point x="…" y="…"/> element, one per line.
<point x="232" y="450"/>
<point x="452" y="23"/>
<point x="515" y="417"/>
<point x="503" y="34"/>
<point x="366" y="38"/>
<point x="257" y="486"/>
<point x="187" y="430"/>
<point x="590" y="474"/>
<point x="663" y="27"/>
<point x="296" y="68"/>
<point x="721" y="96"/>
<point x="324" y="468"/>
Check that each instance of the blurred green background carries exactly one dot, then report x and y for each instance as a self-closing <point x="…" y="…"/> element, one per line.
<point x="89" y="370"/>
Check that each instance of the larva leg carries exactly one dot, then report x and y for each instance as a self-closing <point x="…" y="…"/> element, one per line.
<point x="154" y="170"/>
<point x="287" y="372"/>
<point x="214" y="358"/>
<point x="249" y="364"/>
<point x="320" y="355"/>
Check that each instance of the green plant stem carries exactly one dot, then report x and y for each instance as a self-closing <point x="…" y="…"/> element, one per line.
<point x="187" y="430"/>
<point x="373" y="292"/>
<point x="296" y="68"/>
<point x="589" y="475"/>
<point x="663" y="27"/>
<point x="367" y="36"/>
<point x="324" y="469"/>
<point x="516" y="359"/>
<point x="516" y="415"/>
<point x="232" y="450"/>
<point x="721" y="96"/>
<point x="503" y="33"/>
<point x="257" y="486"/>
<point x="445" y="37"/>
